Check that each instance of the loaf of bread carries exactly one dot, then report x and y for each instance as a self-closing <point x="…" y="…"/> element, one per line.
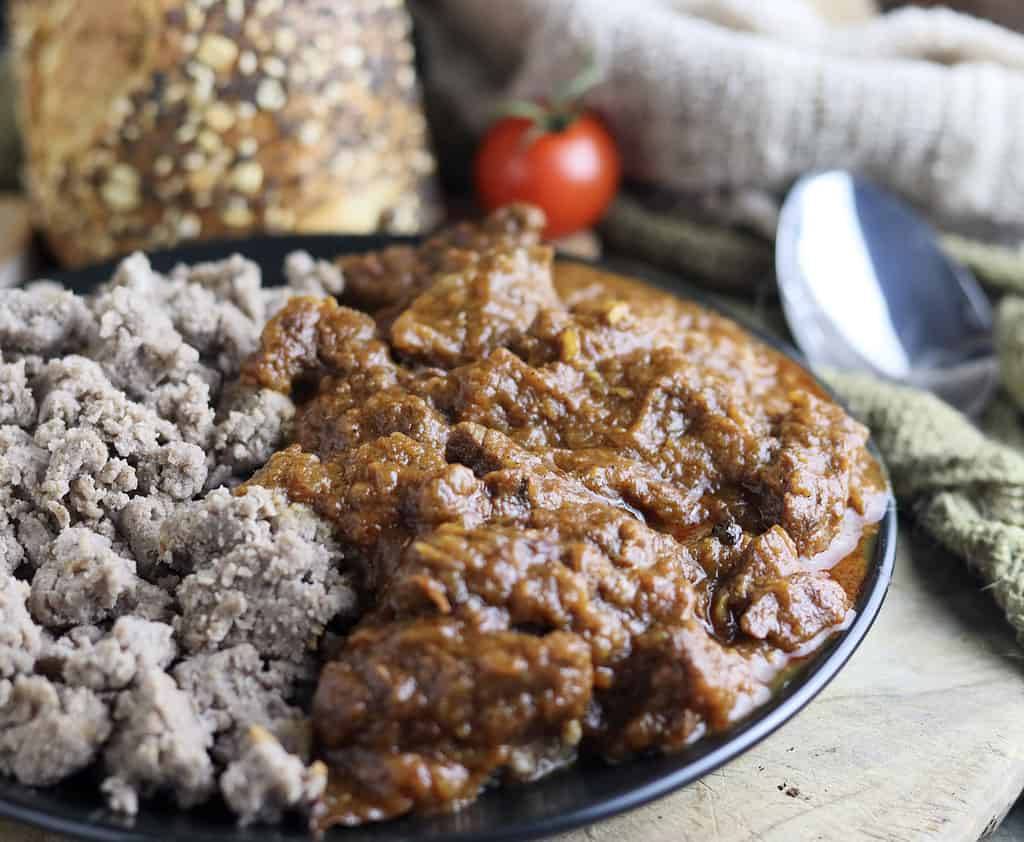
<point x="151" y="121"/>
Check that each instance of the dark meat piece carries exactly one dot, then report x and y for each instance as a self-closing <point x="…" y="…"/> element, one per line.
<point x="387" y="278"/>
<point x="651" y="573"/>
<point x="775" y="598"/>
<point x="482" y="302"/>
<point x="364" y="491"/>
<point x="693" y="423"/>
<point x="512" y="225"/>
<point x="312" y="337"/>
<point x="461" y="705"/>
<point x="692" y="427"/>
<point x="380" y="278"/>
<point x="507" y="577"/>
<point x="793" y="611"/>
<point x="808" y="479"/>
<point x="637" y="486"/>
<point x="535" y="406"/>
<point x="678" y="684"/>
<point x="340" y="418"/>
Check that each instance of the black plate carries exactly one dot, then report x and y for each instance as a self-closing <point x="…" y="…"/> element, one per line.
<point x="581" y="795"/>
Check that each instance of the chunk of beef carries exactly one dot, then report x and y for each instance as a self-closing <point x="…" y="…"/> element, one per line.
<point x="534" y="406"/>
<point x="475" y="308"/>
<point x="311" y="337"/>
<point x="678" y="683"/>
<point x="807" y="483"/>
<point x="387" y="278"/>
<point x="338" y="420"/>
<point x="366" y="491"/>
<point x="775" y="598"/>
<point x="458" y="703"/>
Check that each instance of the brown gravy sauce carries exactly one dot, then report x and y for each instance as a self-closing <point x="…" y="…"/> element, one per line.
<point x="850" y="555"/>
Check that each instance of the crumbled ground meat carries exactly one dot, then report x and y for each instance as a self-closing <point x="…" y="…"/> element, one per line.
<point x="17" y="403"/>
<point x="86" y="581"/>
<point x="221" y="333"/>
<point x="118" y="412"/>
<point x="141" y="522"/>
<point x="102" y="662"/>
<point x="308" y="276"/>
<point x="159" y="743"/>
<point x="20" y="638"/>
<point x="268" y="577"/>
<point x="266" y="781"/>
<point x="235" y="689"/>
<point x="235" y="280"/>
<point x="44" y="321"/>
<point x="25" y="532"/>
<point x="252" y="428"/>
<point x="186" y="403"/>
<point x="137" y="345"/>
<point x="48" y="731"/>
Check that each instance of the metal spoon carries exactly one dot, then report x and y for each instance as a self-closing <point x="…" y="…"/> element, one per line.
<point x="866" y="287"/>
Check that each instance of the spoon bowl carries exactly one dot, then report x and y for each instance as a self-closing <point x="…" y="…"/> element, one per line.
<point x="865" y="286"/>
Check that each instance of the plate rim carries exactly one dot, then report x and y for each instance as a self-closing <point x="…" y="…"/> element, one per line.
<point x="711" y="752"/>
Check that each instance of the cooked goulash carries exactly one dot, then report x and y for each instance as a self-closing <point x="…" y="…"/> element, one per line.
<point x="584" y="516"/>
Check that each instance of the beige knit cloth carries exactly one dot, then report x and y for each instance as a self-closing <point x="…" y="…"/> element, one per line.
<point x="730" y="100"/>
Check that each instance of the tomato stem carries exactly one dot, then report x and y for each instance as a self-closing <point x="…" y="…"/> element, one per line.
<point x="559" y="114"/>
<point x="524" y="108"/>
<point x="589" y="77"/>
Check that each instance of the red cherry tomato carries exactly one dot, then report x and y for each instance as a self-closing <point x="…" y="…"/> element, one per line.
<point x="571" y="171"/>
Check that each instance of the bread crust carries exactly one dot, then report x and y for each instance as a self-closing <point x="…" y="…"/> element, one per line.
<point x="151" y="121"/>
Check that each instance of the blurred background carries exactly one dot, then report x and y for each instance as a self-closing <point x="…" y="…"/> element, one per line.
<point x="221" y="119"/>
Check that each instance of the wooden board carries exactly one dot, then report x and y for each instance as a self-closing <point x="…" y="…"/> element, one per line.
<point x="921" y="737"/>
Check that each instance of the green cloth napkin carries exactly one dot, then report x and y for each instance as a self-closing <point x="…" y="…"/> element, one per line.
<point x="963" y="484"/>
